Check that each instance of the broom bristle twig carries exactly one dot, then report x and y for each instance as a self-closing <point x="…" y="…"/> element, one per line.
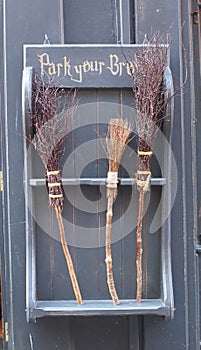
<point x="116" y="141"/>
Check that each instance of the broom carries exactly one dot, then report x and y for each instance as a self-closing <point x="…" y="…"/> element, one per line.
<point x="116" y="140"/>
<point x="149" y="94"/>
<point x="50" y="129"/>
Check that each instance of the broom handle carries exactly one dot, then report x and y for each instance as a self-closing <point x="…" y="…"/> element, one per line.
<point x="139" y="246"/>
<point x="68" y="256"/>
<point x="108" y="260"/>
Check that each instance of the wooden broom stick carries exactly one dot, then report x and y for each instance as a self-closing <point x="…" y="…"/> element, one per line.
<point x="116" y="141"/>
<point x="142" y="188"/>
<point x="68" y="256"/>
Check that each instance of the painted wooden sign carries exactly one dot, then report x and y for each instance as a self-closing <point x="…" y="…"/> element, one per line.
<point x="83" y="66"/>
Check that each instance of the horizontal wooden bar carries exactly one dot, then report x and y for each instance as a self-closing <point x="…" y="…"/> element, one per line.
<point x="96" y="181"/>
<point x="100" y="307"/>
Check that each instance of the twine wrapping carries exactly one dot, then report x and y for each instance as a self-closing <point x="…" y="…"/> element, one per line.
<point x="55" y="195"/>
<point x="144" y="153"/>
<point x="54" y="184"/>
<point x="55" y="191"/>
<point x="53" y="172"/>
<point x="143" y="184"/>
<point x="112" y="179"/>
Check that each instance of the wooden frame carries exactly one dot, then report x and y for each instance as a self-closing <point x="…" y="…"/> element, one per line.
<point x="35" y="308"/>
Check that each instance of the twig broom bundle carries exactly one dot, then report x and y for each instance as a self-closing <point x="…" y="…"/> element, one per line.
<point x="116" y="140"/>
<point x="149" y="93"/>
<point x="50" y="129"/>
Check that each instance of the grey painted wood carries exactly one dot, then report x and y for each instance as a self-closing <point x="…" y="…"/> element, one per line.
<point x="27" y="23"/>
<point x="109" y="333"/>
<point x="83" y="66"/>
<point x="96" y="181"/>
<point x="16" y="32"/>
<point x="91" y="22"/>
<point x="183" y="251"/>
<point x="97" y="106"/>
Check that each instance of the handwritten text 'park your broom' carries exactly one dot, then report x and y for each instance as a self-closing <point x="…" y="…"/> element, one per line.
<point x="76" y="72"/>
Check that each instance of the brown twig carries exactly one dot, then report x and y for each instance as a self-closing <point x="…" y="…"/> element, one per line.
<point x="116" y="141"/>
<point x="51" y="123"/>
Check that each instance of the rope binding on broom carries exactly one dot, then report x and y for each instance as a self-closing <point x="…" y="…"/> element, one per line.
<point x="54" y="184"/>
<point x="55" y="195"/>
<point x="144" y="153"/>
<point x="55" y="191"/>
<point x="143" y="177"/>
<point x="143" y="185"/>
<point x="53" y="172"/>
<point x="112" y="179"/>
